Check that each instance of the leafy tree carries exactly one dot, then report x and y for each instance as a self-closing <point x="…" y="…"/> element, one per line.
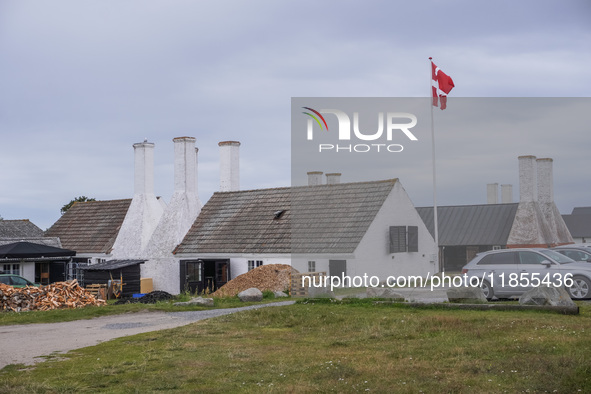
<point x="77" y="199"/>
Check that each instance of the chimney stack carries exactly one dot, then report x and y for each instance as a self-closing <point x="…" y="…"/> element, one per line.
<point x="492" y="193"/>
<point x="333" y="178"/>
<point x="144" y="168"/>
<point x="315" y="178"/>
<point x="527" y="179"/>
<point x="185" y="165"/>
<point x="545" y="181"/>
<point x="229" y="166"/>
<point x="506" y="194"/>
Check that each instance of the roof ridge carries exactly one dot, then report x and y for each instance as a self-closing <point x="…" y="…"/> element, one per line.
<point x="469" y="205"/>
<point x="391" y="180"/>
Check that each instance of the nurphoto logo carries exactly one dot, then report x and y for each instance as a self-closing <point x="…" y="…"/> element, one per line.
<point x="394" y="123"/>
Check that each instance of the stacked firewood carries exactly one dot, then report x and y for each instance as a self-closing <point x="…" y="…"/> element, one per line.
<point x="59" y="295"/>
<point x="273" y="277"/>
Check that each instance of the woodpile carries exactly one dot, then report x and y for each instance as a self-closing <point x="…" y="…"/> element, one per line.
<point x="273" y="277"/>
<point x="59" y="295"/>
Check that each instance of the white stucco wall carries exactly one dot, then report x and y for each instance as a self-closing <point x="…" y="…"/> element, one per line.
<point x="166" y="273"/>
<point x="372" y="256"/>
<point x="28" y="270"/>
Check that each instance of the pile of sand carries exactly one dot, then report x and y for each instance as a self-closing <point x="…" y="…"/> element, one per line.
<point x="273" y="277"/>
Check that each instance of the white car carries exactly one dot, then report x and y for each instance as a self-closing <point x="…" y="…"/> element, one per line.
<point x="508" y="273"/>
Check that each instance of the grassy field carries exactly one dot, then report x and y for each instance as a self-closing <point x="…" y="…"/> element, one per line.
<point x="330" y="347"/>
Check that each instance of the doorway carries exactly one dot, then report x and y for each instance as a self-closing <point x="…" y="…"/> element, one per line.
<point x="198" y="275"/>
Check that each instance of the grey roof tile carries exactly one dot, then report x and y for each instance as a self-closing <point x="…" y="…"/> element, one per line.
<point x="91" y="226"/>
<point x="317" y="219"/>
<point x="19" y="229"/>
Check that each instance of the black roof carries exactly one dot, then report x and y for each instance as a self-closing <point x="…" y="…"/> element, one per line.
<point x="579" y="225"/>
<point x="581" y="211"/>
<point x="111" y="265"/>
<point x="23" y="249"/>
<point x="471" y="225"/>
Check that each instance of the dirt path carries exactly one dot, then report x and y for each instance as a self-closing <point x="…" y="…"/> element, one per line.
<point x="27" y="343"/>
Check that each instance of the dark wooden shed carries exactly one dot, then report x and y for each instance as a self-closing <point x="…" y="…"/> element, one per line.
<point x="101" y="273"/>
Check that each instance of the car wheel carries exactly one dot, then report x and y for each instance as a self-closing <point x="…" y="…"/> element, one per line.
<point x="580" y="289"/>
<point x="487" y="290"/>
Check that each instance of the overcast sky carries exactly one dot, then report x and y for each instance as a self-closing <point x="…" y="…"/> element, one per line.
<point x="81" y="81"/>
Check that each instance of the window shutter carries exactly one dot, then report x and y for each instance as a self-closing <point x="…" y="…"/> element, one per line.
<point x="413" y="238"/>
<point x="397" y="239"/>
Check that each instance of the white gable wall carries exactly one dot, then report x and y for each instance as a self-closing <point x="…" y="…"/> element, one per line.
<point x="373" y="256"/>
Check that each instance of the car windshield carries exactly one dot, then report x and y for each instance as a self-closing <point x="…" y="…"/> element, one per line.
<point x="558" y="257"/>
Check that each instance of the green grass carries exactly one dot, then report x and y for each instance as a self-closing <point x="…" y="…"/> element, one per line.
<point x="332" y="347"/>
<point x="89" y="312"/>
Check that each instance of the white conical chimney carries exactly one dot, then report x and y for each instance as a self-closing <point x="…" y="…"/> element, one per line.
<point x="560" y="232"/>
<point x="144" y="211"/>
<point x="178" y="217"/>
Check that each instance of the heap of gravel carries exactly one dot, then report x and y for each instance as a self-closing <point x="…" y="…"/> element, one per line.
<point x="273" y="277"/>
<point x="150" y="298"/>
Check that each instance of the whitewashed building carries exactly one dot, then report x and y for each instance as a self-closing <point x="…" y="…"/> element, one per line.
<point x="353" y="229"/>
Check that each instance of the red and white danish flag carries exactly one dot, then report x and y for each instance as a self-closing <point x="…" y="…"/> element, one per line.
<point x="441" y="85"/>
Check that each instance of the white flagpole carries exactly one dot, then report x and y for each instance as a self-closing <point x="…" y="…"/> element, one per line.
<point x="435" y="221"/>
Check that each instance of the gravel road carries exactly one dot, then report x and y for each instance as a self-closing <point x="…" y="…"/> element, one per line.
<point x="27" y="343"/>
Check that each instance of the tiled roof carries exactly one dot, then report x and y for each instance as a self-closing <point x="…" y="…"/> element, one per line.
<point x="48" y="241"/>
<point x="19" y="229"/>
<point x="471" y="225"/>
<point x="324" y="218"/>
<point x="91" y="226"/>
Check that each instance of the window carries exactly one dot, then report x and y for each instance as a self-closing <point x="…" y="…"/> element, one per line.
<point x="404" y="239"/>
<point x="252" y="264"/>
<point x="531" y="258"/>
<point x="501" y="258"/>
<point x="14" y="269"/>
<point x="311" y="266"/>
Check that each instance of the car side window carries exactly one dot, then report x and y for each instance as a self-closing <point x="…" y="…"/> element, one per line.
<point x="531" y="258"/>
<point x="503" y="258"/>
<point x="574" y="254"/>
<point x="5" y="280"/>
<point x="16" y="281"/>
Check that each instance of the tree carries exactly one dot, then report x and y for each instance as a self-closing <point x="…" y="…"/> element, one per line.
<point x="77" y="199"/>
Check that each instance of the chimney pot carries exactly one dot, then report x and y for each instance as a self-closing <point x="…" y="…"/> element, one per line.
<point x="492" y="193"/>
<point x="315" y="178"/>
<point x="333" y="178"/>
<point x="506" y="194"/>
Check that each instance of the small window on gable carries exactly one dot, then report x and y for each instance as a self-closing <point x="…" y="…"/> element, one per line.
<point x="311" y="266"/>
<point x="404" y="239"/>
<point x="397" y="239"/>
